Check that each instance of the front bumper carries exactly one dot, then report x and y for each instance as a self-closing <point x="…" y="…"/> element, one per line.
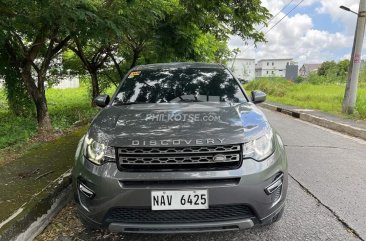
<point x="113" y="188"/>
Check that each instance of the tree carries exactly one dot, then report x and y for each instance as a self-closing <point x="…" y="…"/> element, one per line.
<point x="18" y="99"/>
<point x="33" y="34"/>
<point x="97" y="45"/>
<point x="342" y="68"/>
<point x="326" y="68"/>
<point x="140" y="32"/>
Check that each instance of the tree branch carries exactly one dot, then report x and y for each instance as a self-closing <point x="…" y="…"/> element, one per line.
<point x="102" y="61"/>
<point x="60" y="45"/>
<point x="116" y="64"/>
<point x="79" y="52"/>
<point x="35" y="67"/>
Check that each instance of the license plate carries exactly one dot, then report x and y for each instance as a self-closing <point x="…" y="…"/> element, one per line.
<point x="173" y="200"/>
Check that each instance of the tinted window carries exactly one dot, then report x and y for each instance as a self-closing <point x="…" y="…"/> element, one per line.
<point x="179" y="85"/>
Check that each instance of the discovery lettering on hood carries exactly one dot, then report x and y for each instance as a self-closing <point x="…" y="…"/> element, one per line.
<point x="177" y="142"/>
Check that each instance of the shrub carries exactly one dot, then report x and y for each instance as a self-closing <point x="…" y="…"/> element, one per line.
<point x="271" y="86"/>
<point x="361" y="107"/>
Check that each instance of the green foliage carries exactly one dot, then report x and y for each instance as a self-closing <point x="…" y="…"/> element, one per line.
<point x="271" y="86"/>
<point x="14" y="128"/>
<point x="323" y="97"/>
<point x="18" y="99"/>
<point x="330" y="72"/>
<point x="66" y="106"/>
<point x="326" y="68"/>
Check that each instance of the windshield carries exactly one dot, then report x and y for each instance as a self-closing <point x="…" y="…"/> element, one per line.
<point x="179" y="85"/>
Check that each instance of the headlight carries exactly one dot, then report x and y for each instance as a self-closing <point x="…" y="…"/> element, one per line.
<point x="98" y="153"/>
<point x="261" y="148"/>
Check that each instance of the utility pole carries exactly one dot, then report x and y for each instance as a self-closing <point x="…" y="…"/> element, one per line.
<point x="350" y="93"/>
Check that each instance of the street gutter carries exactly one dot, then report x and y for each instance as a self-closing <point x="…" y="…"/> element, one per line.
<point x="348" y="127"/>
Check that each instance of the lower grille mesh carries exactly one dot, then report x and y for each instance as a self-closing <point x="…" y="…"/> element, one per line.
<point x="147" y="216"/>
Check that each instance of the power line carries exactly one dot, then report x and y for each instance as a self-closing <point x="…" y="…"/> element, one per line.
<point x="274" y="16"/>
<point x="283" y="17"/>
<point x="277" y="22"/>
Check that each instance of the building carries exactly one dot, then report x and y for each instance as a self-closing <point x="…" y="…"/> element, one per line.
<point x="292" y="71"/>
<point x="67" y="82"/>
<point x="271" y="67"/>
<point x="242" y="68"/>
<point x="306" y="69"/>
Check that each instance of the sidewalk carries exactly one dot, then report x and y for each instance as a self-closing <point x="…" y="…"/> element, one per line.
<point x="33" y="183"/>
<point x="355" y="128"/>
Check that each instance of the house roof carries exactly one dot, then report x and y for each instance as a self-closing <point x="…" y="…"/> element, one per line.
<point x="261" y="60"/>
<point x="311" y="67"/>
<point x="241" y="59"/>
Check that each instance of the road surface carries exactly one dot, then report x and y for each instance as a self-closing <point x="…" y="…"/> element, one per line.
<point x="326" y="196"/>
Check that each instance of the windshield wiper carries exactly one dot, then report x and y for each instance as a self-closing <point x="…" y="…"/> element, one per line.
<point x="126" y="103"/>
<point x="189" y="100"/>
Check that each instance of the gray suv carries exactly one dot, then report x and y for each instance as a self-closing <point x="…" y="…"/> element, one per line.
<point x="180" y="148"/>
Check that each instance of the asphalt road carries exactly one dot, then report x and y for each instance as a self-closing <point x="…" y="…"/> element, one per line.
<point x="326" y="196"/>
<point x="331" y="166"/>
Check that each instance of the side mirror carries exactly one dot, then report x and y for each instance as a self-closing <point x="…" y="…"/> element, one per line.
<point x="102" y="100"/>
<point x="258" y="96"/>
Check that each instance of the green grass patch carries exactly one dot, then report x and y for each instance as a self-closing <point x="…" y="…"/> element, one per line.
<point x="66" y="106"/>
<point x="323" y="97"/>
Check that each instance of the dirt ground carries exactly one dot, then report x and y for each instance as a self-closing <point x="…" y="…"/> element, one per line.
<point x="67" y="227"/>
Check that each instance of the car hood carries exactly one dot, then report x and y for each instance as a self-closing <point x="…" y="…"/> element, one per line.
<point x="167" y="124"/>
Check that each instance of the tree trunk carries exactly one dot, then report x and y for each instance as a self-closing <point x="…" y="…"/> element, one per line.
<point x="95" y="85"/>
<point x="43" y="118"/>
<point x="136" y="54"/>
<point x="39" y="99"/>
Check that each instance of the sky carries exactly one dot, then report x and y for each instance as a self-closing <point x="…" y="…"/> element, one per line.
<point x="315" y="31"/>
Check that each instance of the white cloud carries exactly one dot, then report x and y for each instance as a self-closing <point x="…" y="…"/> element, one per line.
<point x="331" y="7"/>
<point x="296" y="36"/>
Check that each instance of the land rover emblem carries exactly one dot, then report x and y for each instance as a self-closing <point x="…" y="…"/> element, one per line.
<point x="219" y="158"/>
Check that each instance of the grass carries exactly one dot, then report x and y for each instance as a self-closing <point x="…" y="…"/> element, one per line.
<point x="66" y="106"/>
<point x="323" y="97"/>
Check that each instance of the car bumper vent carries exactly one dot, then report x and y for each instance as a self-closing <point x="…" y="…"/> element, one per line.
<point x="147" y="216"/>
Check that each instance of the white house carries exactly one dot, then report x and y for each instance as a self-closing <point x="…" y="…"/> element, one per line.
<point x="67" y="82"/>
<point x="272" y="67"/>
<point x="64" y="83"/>
<point x="242" y="68"/>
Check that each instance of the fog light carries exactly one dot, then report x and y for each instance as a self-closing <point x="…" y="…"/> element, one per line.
<point x="277" y="183"/>
<point x="85" y="190"/>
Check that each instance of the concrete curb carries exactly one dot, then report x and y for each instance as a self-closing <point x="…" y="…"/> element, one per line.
<point x="339" y="127"/>
<point x="33" y="216"/>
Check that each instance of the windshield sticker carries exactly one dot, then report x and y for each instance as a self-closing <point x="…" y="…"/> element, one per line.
<point x="134" y="73"/>
<point x="183" y="117"/>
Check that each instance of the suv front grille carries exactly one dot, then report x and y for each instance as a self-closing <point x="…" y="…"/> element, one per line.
<point x="216" y="213"/>
<point x="171" y="158"/>
<point x="185" y="149"/>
